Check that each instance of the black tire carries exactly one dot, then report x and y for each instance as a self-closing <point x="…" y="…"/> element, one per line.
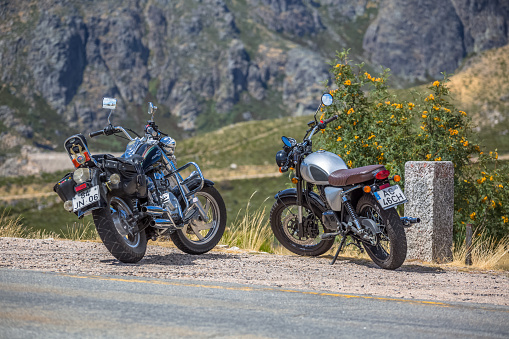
<point x="188" y="239"/>
<point x="126" y="248"/>
<point x="390" y="252"/>
<point x="283" y="218"/>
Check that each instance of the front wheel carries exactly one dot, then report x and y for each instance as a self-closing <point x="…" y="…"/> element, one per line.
<point x="118" y="232"/>
<point x="391" y="248"/>
<point x="200" y="236"/>
<point x="285" y="226"/>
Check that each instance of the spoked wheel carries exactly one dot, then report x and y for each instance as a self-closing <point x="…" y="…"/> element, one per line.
<point x="391" y="248"/>
<point x="201" y="235"/>
<point x="119" y="232"/>
<point x="285" y="226"/>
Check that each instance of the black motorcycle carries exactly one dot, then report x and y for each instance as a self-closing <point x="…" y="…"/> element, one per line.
<point x="141" y="195"/>
<point x="332" y="200"/>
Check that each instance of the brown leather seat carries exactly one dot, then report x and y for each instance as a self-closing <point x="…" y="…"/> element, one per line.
<point x="351" y="176"/>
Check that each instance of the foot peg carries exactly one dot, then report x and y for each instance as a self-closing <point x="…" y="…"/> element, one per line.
<point x="408" y="221"/>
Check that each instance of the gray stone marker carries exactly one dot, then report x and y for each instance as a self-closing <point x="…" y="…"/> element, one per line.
<point x="429" y="188"/>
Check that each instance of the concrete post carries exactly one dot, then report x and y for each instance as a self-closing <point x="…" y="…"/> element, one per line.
<point x="429" y="188"/>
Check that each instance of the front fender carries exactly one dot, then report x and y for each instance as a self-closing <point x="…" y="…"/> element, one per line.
<point x="316" y="202"/>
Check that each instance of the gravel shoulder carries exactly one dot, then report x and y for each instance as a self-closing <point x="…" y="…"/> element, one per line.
<point x="413" y="280"/>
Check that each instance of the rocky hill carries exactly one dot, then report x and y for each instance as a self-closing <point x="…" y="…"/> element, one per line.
<point x="207" y="63"/>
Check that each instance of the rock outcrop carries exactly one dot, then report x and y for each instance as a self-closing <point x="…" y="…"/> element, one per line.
<point x="207" y="57"/>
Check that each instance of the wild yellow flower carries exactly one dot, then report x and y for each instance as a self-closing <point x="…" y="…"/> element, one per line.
<point x="367" y="75"/>
<point x="423" y="128"/>
<point x="411" y="105"/>
<point x="424" y="116"/>
<point x="436" y="83"/>
<point x="351" y="110"/>
<point x="465" y="143"/>
<point x="438" y="159"/>
<point x="431" y="97"/>
<point x="339" y="139"/>
<point x="472" y="216"/>
<point x="493" y="204"/>
<point x="347" y="152"/>
<point x="356" y="137"/>
<point x="436" y="118"/>
<point x="338" y="65"/>
<point x="453" y="131"/>
<point x="355" y="123"/>
<point x="500" y="186"/>
<point x="347" y="83"/>
<point x="485" y="198"/>
<point x="379" y="104"/>
<point x="480" y="181"/>
<point x="447" y="110"/>
<point x="371" y="136"/>
<point x="345" y="146"/>
<point x="428" y="156"/>
<point x="338" y="128"/>
<point x="436" y="108"/>
<point x="392" y="116"/>
<point x="505" y="219"/>
<point x="387" y="102"/>
<point x="349" y="163"/>
<point x="463" y="113"/>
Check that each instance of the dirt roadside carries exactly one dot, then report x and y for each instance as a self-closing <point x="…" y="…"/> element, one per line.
<point x="413" y="280"/>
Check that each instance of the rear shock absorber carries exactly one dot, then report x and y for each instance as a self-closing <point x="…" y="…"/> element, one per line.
<point x="351" y="212"/>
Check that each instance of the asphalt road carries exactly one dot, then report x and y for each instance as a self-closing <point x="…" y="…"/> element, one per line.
<point x="51" y="305"/>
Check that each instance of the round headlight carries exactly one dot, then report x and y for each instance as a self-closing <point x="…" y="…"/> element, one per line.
<point x="68" y="206"/>
<point x="81" y="175"/>
<point x="281" y="158"/>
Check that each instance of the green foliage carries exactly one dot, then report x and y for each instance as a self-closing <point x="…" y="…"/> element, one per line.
<point x="378" y="127"/>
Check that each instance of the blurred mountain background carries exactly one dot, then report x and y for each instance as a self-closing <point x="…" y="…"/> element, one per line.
<point x="211" y="63"/>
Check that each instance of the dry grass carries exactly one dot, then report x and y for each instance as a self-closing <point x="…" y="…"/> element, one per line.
<point x="251" y="232"/>
<point x="80" y="231"/>
<point x="486" y="253"/>
<point x="14" y="228"/>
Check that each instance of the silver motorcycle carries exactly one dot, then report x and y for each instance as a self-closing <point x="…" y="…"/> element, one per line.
<point x="141" y="195"/>
<point x="332" y="200"/>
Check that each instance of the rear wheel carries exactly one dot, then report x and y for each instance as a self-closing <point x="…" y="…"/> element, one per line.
<point x="391" y="248"/>
<point x="118" y="231"/>
<point x="199" y="235"/>
<point x="285" y="226"/>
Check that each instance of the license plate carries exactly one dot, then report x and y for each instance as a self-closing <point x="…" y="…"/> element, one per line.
<point x="85" y="198"/>
<point x="390" y="197"/>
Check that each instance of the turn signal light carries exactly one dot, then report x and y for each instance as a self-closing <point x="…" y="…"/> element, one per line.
<point x="295" y="180"/>
<point x="382" y="174"/>
<point x="367" y="189"/>
<point x="396" y="178"/>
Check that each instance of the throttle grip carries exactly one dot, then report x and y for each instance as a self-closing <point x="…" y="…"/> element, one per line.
<point x="96" y="133"/>
<point x="330" y="119"/>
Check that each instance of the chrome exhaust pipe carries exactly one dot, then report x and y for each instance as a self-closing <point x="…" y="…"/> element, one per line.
<point x="154" y="211"/>
<point x="166" y="223"/>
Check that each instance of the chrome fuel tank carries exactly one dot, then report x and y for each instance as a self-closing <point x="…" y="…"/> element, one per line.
<point x="317" y="167"/>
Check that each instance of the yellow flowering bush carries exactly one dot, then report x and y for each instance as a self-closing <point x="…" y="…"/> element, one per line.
<point x="377" y="127"/>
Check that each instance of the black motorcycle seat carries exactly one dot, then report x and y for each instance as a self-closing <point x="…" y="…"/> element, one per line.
<point x="352" y="176"/>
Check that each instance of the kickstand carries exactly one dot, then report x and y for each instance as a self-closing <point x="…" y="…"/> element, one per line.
<point x="343" y="239"/>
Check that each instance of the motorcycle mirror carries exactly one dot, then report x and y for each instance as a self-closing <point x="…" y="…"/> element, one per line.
<point x="109" y="103"/>
<point x="151" y="108"/>
<point x="327" y="99"/>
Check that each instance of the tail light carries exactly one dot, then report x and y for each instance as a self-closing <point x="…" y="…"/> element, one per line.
<point x="383" y="174"/>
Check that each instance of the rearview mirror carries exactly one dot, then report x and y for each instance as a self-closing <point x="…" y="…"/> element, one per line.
<point x="151" y="108"/>
<point x="327" y="99"/>
<point x="109" y="103"/>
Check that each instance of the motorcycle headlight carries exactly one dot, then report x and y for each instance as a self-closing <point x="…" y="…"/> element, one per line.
<point x="281" y="158"/>
<point x="168" y="145"/>
<point x="81" y="175"/>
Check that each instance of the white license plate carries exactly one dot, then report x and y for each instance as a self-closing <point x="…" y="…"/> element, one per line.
<point x="85" y="198"/>
<point x="390" y="197"/>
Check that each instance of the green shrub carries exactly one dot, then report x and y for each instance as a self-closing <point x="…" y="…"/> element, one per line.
<point x="376" y="126"/>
